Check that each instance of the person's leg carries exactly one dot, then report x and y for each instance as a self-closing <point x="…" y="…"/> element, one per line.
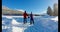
<point x="33" y="21"/>
<point x="30" y="21"/>
<point x="26" y="20"/>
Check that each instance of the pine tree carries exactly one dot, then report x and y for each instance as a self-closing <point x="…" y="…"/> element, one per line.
<point x="49" y="11"/>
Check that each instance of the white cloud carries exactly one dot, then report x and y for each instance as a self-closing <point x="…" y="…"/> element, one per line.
<point x="43" y="12"/>
<point x="4" y="7"/>
<point x="20" y="10"/>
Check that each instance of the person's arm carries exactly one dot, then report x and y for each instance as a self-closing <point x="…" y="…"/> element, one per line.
<point x="27" y="14"/>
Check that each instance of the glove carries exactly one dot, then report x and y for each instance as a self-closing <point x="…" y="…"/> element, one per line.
<point x="28" y="17"/>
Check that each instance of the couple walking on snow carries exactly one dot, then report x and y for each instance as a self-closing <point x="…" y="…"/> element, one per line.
<point x="25" y="18"/>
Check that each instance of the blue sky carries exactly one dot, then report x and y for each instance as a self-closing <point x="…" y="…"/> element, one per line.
<point x="36" y="6"/>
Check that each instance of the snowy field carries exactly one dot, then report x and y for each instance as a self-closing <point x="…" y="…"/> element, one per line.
<point x="41" y="24"/>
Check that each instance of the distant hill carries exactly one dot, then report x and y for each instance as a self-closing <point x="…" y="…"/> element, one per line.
<point x="7" y="11"/>
<point x="10" y="12"/>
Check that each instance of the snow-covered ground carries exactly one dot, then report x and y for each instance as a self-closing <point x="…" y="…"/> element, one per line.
<point x="16" y="26"/>
<point x="56" y="18"/>
<point x="41" y="24"/>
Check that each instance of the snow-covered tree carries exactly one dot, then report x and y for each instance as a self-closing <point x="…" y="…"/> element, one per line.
<point x="55" y="9"/>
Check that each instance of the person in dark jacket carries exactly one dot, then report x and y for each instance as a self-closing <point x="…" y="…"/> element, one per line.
<point x="25" y="17"/>
<point x="31" y="19"/>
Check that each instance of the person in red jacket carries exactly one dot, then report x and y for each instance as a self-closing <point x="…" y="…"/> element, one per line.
<point x="25" y="17"/>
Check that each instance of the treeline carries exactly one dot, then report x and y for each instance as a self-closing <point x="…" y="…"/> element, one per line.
<point x="53" y="12"/>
